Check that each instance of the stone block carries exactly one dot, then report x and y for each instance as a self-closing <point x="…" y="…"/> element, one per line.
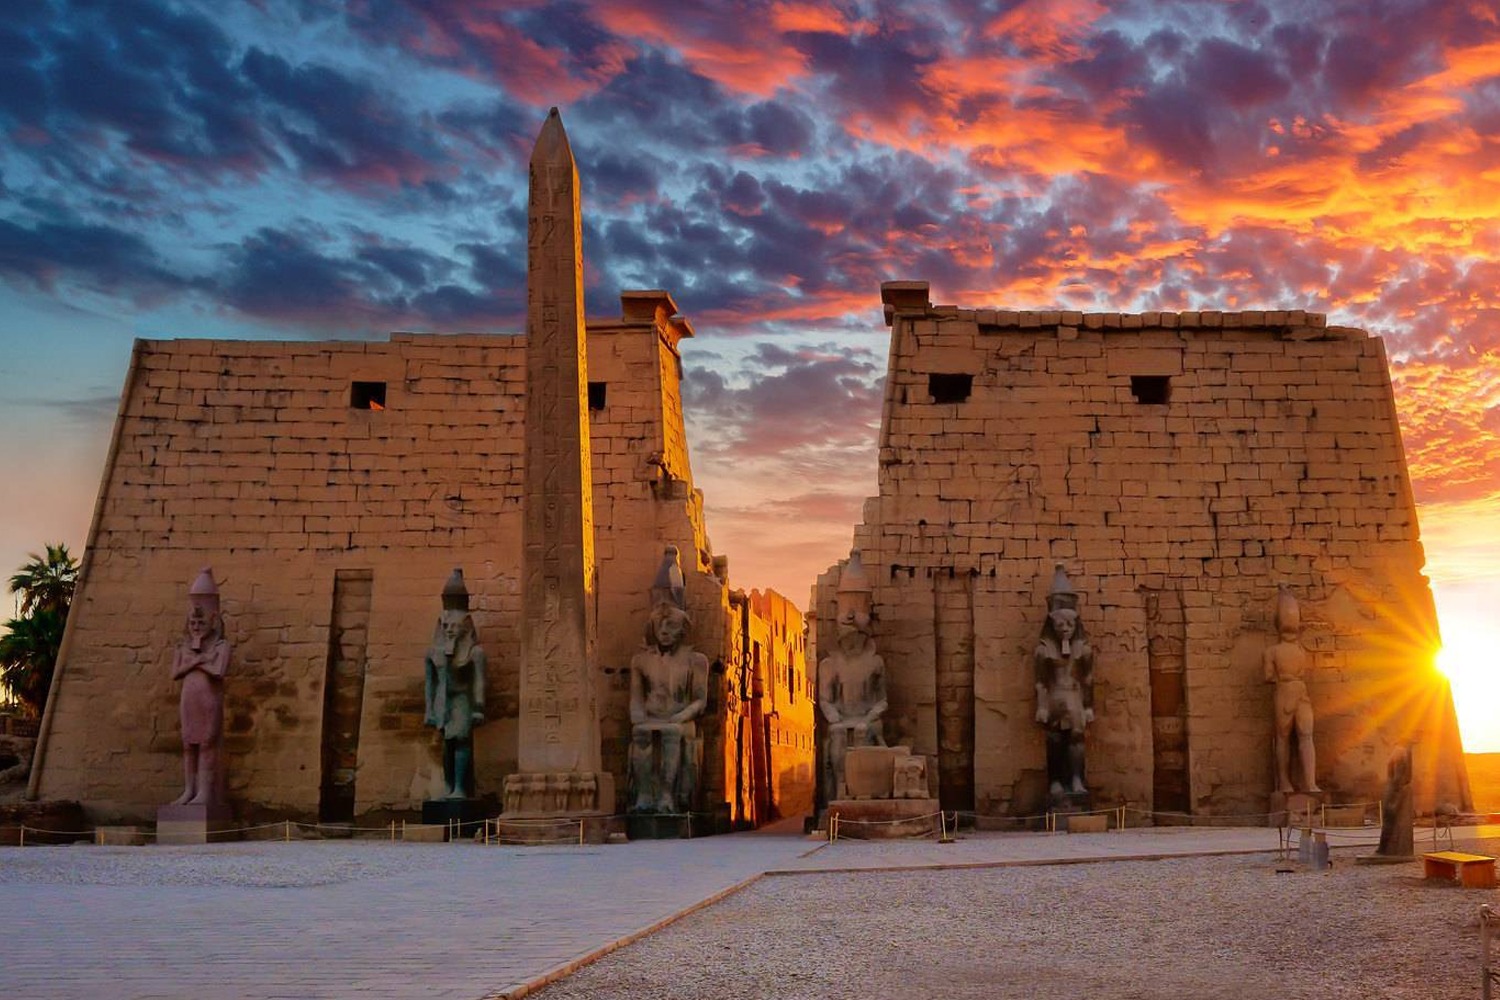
<point x="194" y="824"/>
<point x="424" y="833"/>
<point x="1088" y="824"/>
<point x="884" y="819"/>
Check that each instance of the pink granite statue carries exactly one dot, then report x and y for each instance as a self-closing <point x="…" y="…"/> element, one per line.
<point x="1285" y="664"/>
<point x="1064" y="667"/>
<point x="851" y="679"/>
<point x="200" y="663"/>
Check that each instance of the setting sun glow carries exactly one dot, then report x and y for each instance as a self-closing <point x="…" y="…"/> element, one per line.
<point x="1468" y="660"/>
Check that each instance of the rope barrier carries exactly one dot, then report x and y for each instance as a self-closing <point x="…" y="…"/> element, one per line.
<point x="835" y="821"/>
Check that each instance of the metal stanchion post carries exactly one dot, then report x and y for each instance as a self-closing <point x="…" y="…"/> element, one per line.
<point x="1489" y="925"/>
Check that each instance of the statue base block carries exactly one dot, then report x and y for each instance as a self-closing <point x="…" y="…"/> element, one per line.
<point x="466" y="816"/>
<point x="194" y="824"/>
<point x="1296" y="808"/>
<point x="884" y="819"/>
<point x="669" y="826"/>
<point x="561" y="828"/>
<point x="1069" y="802"/>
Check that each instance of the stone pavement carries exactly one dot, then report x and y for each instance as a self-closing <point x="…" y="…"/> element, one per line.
<point x="340" y="918"/>
<point x="300" y="919"/>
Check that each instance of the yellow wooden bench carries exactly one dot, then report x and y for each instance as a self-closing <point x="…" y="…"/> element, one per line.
<point x="1475" y="871"/>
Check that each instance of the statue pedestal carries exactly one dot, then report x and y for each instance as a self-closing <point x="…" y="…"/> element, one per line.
<point x="669" y="826"/>
<point x="193" y="824"/>
<point x="1069" y="802"/>
<point x="558" y="807"/>
<point x="884" y="819"/>
<point x="1296" y="808"/>
<point x="466" y="814"/>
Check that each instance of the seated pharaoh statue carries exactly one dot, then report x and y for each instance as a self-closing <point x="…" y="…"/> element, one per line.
<point x="668" y="691"/>
<point x="1064" y="668"/>
<point x="851" y="679"/>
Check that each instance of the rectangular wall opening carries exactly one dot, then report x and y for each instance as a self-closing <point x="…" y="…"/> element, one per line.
<point x="1151" y="388"/>
<point x="597" y="391"/>
<point x="367" y="396"/>
<point x="949" y="387"/>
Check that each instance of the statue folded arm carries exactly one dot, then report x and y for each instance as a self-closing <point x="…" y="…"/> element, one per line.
<point x="433" y="692"/>
<point x="698" y="685"/>
<point x="1043" y="674"/>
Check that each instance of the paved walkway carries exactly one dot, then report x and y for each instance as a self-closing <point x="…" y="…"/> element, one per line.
<point x="340" y="918"/>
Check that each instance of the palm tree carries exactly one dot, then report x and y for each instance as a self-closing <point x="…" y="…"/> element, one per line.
<point x="32" y="639"/>
<point x="28" y="654"/>
<point x="46" y="583"/>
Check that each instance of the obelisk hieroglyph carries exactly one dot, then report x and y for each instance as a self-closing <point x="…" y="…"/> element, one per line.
<point x="558" y="753"/>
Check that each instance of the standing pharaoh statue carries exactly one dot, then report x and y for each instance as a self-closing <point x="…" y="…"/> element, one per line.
<point x="1064" y="666"/>
<point x="200" y="663"/>
<point x="1285" y="664"/>
<point x="851" y="679"/>
<point x="454" y="686"/>
<point x="668" y="691"/>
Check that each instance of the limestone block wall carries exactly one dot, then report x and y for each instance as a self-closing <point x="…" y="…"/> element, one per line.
<point x="1181" y="467"/>
<point x="250" y="457"/>
<point x="266" y="460"/>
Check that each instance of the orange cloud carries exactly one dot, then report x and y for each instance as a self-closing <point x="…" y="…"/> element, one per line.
<point x="1450" y="419"/>
<point x="809" y="17"/>
<point x="743" y="54"/>
<point x="1052" y="28"/>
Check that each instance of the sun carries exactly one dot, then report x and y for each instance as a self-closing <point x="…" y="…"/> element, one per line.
<point x="1468" y="659"/>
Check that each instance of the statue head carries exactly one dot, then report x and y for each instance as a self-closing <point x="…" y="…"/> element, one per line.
<point x="1064" y="629"/>
<point x="1064" y="623"/>
<point x="453" y="628"/>
<point x="454" y="634"/>
<point x="667" y="626"/>
<point x="1288" y="615"/>
<point x="203" y="621"/>
<point x="855" y="599"/>
<point x="853" y="627"/>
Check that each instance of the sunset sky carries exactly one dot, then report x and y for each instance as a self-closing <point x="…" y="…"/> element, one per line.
<point x="314" y="170"/>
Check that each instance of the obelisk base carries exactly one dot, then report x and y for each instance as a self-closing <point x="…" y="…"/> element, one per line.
<point x="558" y="807"/>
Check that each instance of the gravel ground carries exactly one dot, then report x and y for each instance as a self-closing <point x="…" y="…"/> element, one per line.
<point x="1191" y="928"/>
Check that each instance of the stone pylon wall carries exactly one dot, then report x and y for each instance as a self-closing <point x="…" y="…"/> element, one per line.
<point x="1190" y="461"/>
<point x="249" y="456"/>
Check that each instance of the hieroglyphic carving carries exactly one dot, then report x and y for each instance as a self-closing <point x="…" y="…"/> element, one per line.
<point x="558" y="722"/>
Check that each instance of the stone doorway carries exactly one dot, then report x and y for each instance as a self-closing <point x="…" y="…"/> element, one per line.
<point x="344" y="692"/>
<point x="1166" y="640"/>
<point x="953" y="622"/>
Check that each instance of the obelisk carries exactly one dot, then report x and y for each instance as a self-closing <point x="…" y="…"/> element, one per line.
<point x="558" y="753"/>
